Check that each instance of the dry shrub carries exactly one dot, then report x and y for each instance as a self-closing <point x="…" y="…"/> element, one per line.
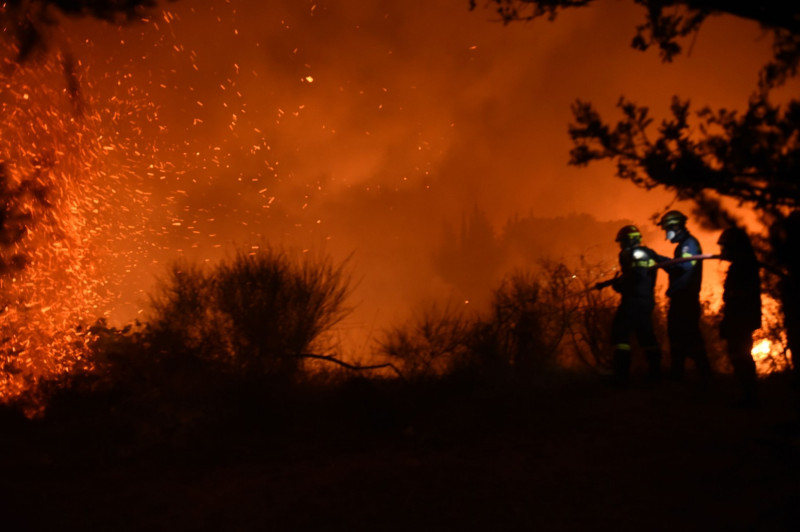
<point x="255" y="314"/>
<point x="528" y="319"/>
<point x="589" y="328"/>
<point x="522" y="331"/>
<point x="431" y="344"/>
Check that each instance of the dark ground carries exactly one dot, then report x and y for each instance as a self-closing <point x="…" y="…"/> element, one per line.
<point x="568" y="454"/>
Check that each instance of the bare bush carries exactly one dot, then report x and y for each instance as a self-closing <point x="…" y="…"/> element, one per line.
<point x="257" y="313"/>
<point x="529" y="317"/>
<point x="430" y="345"/>
<point x="184" y="313"/>
<point x="592" y="312"/>
<point x="522" y="331"/>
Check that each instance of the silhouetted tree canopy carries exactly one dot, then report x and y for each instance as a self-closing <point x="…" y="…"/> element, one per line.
<point x="25" y="21"/>
<point x="752" y="156"/>
<point x="749" y="155"/>
<point x="667" y="22"/>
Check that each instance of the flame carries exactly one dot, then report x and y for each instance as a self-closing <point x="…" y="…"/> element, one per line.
<point x="761" y="350"/>
<point x="768" y="356"/>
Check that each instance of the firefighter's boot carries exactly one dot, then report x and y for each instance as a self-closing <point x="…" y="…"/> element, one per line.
<point x="653" y="354"/>
<point x="621" y="365"/>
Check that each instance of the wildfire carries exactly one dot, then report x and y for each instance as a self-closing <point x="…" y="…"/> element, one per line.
<point x="102" y="192"/>
<point x="160" y="145"/>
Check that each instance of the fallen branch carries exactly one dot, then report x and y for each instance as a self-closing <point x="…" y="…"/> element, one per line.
<point x="330" y="358"/>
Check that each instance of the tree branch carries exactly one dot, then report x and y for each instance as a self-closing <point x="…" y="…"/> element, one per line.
<point x="334" y="360"/>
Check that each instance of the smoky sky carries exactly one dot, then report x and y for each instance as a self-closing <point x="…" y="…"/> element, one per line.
<point x="362" y="128"/>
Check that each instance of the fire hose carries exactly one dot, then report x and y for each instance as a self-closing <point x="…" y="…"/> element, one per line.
<point x="608" y="282"/>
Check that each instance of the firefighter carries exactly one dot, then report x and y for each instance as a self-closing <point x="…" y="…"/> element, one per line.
<point x="636" y="285"/>
<point x="683" y="315"/>
<point x="786" y="245"/>
<point x="741" y="310"/>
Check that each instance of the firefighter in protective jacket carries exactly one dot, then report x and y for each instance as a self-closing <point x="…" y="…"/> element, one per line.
<point x="634" y="315"/>
<point x="683" y="316"/>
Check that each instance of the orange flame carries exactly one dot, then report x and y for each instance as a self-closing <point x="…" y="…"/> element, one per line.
<point x="768" y="357"/>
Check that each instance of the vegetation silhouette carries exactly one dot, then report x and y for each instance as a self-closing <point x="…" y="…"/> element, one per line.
<point x="537" y="322"/>
<point x="472" y="258"/>
<point x="239" y="332"/>
<point x="668" y="22"/>
<point x="27" y="22"/>
<point x="256" y="314"/>
<point x="16" y="201"/>
<point x="214" y="399"/>
<point x="209" y="416"/>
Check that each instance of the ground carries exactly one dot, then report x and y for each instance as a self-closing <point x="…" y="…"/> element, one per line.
<point x="572" y="454"/>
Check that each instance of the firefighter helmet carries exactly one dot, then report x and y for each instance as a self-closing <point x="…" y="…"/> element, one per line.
<point x="629" y="234"/>
<point x="673" y="218"/>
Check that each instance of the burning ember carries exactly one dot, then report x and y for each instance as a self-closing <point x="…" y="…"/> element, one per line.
<point x="72" y="214"/>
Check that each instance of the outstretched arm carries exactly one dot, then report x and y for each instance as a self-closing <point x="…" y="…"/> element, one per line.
<point x="667" y="262"/>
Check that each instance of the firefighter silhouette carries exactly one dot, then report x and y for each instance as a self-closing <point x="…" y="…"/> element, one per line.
<point x="741" y="310"/>
<point x="634" y="315"/>
<point x="683" y="315"/>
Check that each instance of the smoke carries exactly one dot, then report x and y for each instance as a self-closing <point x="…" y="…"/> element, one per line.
<point x="363" y="128"/>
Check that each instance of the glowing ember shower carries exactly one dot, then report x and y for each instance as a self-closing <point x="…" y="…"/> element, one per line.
<point x="68" y="195"/>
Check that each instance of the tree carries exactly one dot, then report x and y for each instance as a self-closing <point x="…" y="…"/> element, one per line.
<point x="752" y="157"/>
<point x="257" y="314"/>
<point x="27" y="21"/>
<point x="470" y="261"/>
<point x="667" y="22"/>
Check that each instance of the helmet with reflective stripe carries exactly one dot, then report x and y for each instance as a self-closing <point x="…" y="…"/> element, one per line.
<point x="629" y="234"/>
<point x="673" y="218"/>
